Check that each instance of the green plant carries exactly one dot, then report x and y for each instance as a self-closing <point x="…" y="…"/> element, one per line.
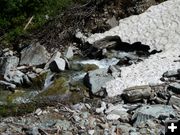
<point x="15" y="14"/>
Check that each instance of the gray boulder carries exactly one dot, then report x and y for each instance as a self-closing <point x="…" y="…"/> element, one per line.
<point x="114" y="70"/>
<point x="112" y="22"/>
<point x="171" y="73"/>
<point x="54" y="56"/>
<point x="96" y="81"/>
<point x="57" y="65"/>
<point x="174" y="100"/>
<point x="152" y="112"/>
<point x="8" y="63"/>
<point x="69" y="53"/>
<point x="34" y="55"/>
<point x="174" y="87"/>
<point x="137" y="93"/>
<point x="7" y="85"/>
<point x="16" y="77"/>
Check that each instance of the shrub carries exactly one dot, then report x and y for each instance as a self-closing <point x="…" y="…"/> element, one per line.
<point x="14" y="14"/>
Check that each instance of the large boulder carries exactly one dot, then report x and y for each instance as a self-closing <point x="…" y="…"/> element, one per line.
<point x="175" y="100"/>
<point x="16" y="77"/>
<point x="152" y="112"/>
<point x="96" y="80"/>
<point x="34" y="55"/>
<point x="137" y="93"/>
<point x="54" y="56"/>
<point x="8" y="63"/>
<point x="174" y="87"/>
<point x="57" y="65"/>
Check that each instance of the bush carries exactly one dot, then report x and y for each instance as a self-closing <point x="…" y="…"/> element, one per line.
<point x="14" y="14"/>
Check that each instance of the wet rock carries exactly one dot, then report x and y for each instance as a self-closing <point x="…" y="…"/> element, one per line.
<point x="174" y="87"/>
<point x="152" y="112"/>
<point x="114" y="71"/>
<point x="69" y="53"/>
<point x="137" y="93"/>
<point x="57" y="65"/>
<point x="96" y="49"/>
<point x="34" y="55"/>
<point x="96" y="81"/>
<point x="8" y="63"/>
<point x="7" y="85"/>
<point x="89" y="67"/>
<point x="112" y="22"/>
<point x="138" y="47"/>
<point x="174" y="100"/>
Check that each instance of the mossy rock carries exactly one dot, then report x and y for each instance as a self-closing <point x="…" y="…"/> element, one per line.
<point x="38" y="82"/>
<point x="59" y="87"/>
<point x="76" y="67"/>
<point x="89" y="67"/>
<point x="16" y="110"/>
<point x="79" y="86"/>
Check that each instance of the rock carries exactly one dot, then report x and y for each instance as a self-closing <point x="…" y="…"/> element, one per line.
<point x="117" y="112"/>
<point x="38" y="112"/>
<point x="124" y="128"/>
<point x="114" y="71"/>
<point x="8" y="53"/>
<point x="152" y="127"/>
<point x="57" y="65"/>
<point x="146" y="112"/>
<point x="55" y="55"/>
<point x="102" y="108"/>
<point x="112" y="117"/>
<point x="174" y="100"/>
<point x="16" y="77"/>
<point x="34" y="55"/>
<point x="96" y="49"/>
<point x="69" y="53"/>
<point x="89" y="67"/>
<point x="91" y="132"/>
<point x="171" y="73"/>
<point x="8" y="63"/>
<point x="38" y="70"/>
<point x="96" y="81"/>
<point x="112" y="22"/>
<point x="137" y="93"/>
<point x="68" y="66"/>
<point x="174" y="87"/>
<point x="31" y="131"/>
<point x="63" y="124"/>
<point x="7" y="85"/>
